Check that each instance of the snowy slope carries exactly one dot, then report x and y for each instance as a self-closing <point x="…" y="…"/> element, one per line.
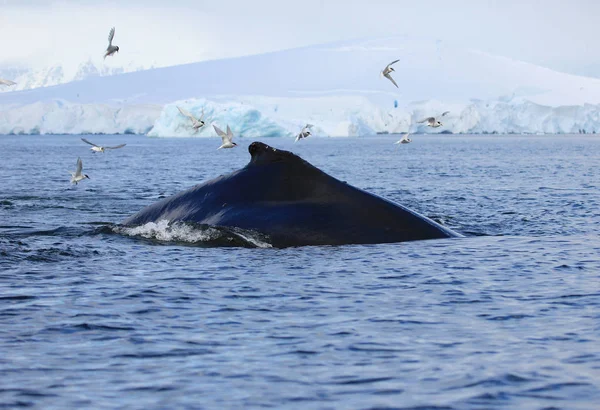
<point x="337" y="87"/>
<point x="27" y="79"/>
<point x="426" y="71"/>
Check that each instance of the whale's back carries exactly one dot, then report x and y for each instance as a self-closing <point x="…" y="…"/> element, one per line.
<point x="294" y="203"/>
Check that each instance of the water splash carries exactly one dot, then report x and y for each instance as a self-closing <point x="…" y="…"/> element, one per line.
<point x="195" y="234"/>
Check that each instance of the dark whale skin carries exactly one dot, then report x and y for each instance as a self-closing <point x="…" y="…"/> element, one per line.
<point x="281" y="195"/>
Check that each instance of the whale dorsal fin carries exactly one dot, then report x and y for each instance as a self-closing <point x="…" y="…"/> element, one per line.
<point x="264" y="154"/>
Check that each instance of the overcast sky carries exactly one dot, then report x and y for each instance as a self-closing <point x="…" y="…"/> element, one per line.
<point x="556" y="33"/>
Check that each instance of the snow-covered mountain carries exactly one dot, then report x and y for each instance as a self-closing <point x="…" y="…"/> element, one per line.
<point x="57" y="74"/>
<point x="337" y="87"/>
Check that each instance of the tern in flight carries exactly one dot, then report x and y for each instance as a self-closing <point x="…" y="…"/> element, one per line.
<point x="387" y="70"/>
<point x="196" y="123"/>
<point x="110" y="50"/>
<point x="404" y="139"/>
<point x="99" y="148"/>
<point x="305" y="132"/>
<point x="433" y="121"/>
<point x="227" y="138"/>
<point x="77" y="175"/>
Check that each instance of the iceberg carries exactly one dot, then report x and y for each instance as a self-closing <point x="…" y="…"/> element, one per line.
<point x="261" y="116"/>
<point x="244" y="120"/>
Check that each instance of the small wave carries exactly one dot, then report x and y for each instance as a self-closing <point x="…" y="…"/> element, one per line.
<point x="16" y="298"/>
<point x="61" y="231"/>
<point x="196" y="234"/>
<point x="81" y="327"/>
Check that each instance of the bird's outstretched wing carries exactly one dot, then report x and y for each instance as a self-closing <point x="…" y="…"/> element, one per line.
<point x="229" y="134"/>
<point x="444" y="113"/>
<point x="6" y="82"/>
<point x="111" y="35"/>
<point x="89" y="142"/>
<point x="79" y="167"/>
<point x="186" y="113"/>
<point x="428" y="119"/>
<point x="389" y="77"/>
<point x="393" y="62"/>
<point x="116" y="146"/>
<point x="220" y="133"/>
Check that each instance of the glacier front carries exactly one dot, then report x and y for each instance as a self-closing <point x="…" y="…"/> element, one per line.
<point x="63" y="117"/>
<point x="357" y="116"/>
<point x="260" y="116"/>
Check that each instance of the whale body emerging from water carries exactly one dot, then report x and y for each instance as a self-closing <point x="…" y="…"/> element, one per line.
<point x="280" y="195"/>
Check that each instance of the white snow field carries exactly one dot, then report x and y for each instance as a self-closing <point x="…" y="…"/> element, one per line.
<point x="336" y="87"/>
<point x="56" y="74"/>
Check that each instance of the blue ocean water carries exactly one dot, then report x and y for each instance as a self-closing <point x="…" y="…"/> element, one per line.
<point x="508" y="317"/>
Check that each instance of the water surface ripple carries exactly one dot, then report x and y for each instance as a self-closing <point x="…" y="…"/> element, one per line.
<point x="507" y="317"/>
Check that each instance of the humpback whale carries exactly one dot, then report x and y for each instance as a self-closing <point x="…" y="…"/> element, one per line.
<point x="293" y="203"/>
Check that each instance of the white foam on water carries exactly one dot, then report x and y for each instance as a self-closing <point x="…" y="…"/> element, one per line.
<point x="166" y="231"/>
<point x="163" y="230"/>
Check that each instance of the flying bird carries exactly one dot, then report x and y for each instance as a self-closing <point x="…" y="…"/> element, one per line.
<point x="6" y="82"/>
<point x="196" y="123"/>
<point x="99" y="148"/>
<point x="77" y="176"/>
<point x="387" y="70"/>
<point x="110" y="50"/>
<point x="305" y="132"/>
<point x="227" y="138"/>
<point x="433" y="121"/>
<point x="404" y="139"/>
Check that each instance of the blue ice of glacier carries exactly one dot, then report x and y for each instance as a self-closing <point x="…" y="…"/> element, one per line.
<point x="260" y="116"/>
<point x="244" y="120"/>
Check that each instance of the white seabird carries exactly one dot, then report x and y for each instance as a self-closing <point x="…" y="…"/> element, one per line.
<point x="99" y="148"/>
<point x="110" y="50"/>
<point x="227" y="138"/>
<point x="196" y="123"/>
<point x="404" y="139"/>
<point x="305" y="132"/>
<point x="77" y="175"/>
<point x="387" y="70"/>
<point x="433" y="121"/>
